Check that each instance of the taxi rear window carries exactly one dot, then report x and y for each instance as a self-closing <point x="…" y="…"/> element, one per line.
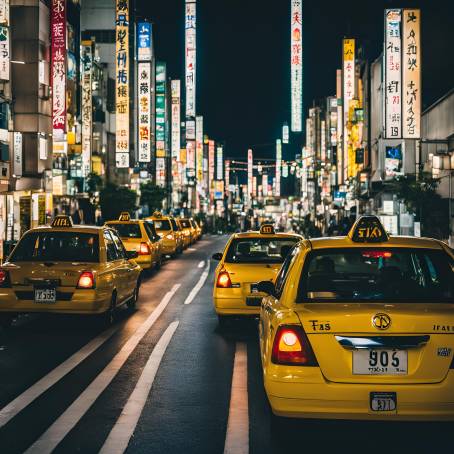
<point x="127" y="230"/>
<point x="185" y="223"/>
<point x="162" y="224"/>
<point x="57" y="247"/>
<point x="378" y="274"/>
<point x="259" y="250"/>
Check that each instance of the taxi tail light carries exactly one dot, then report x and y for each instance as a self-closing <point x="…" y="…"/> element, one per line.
<point x="144" y="249"/>
<point x="292" y="347"/>
<point x="223" y="280"/>
<point x="169" y="236"/>
<point x="4" y="279"/>
<point x="86" y="280"/>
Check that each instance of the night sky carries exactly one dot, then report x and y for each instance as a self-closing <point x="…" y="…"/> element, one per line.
<point x="243" y="52"/>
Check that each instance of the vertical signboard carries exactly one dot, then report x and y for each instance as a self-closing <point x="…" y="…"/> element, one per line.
<point x="348" y="94"/>
<point x="249" y="175"/>
<point x="122" y="83"/>
<point x="339" y="173"/>
<point x="285" y="133"/>
<point x="4" y="53"/>
<point x="87" y="107"/>
<point x="4" y="12"/>
<point x="58" y="68"/>
<point x="296" y="64"/>
<point x="190" y="57"/>
<point x="199" y="148"/>
<point x="278" y="167"/>
<point x="160" y="109"/>
<point x="144" y="41"/>
<point x="211" y="147"/>
<point x="393" y="71"/>
<point x="176" y="119"/>
<point x="17" y="154"/>
<point x="144" y="111"/>
<point x="219" y="163"/>
<point x="264" y="184"/>
<point x="227" y="178"/>
<point x="411" y="65"/>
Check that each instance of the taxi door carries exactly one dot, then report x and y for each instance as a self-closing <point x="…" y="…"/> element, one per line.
<point x="116" y="267"/>
<point x="127" y="268"/>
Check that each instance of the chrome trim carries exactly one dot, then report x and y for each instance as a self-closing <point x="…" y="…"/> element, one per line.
<point x="382" y="342"/>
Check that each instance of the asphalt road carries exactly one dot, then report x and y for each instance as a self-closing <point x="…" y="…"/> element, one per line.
<point x="165" y="379"/>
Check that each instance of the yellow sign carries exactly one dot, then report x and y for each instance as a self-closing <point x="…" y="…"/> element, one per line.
<point x="124" y="216"/>
<point x="62" y="221"/>
<point x="368" y="229"/>
<point x="267" y="229"/>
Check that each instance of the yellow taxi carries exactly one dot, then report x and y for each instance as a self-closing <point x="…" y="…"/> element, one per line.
<point x="361" y="327"/>
<point x="248" y="258"/>
<point x="170" y="232"/>
<point x="197" y="229"/>
<point x="188" y="233"/>
<point x="63" y="268"/>
<point x="141" y="236"/>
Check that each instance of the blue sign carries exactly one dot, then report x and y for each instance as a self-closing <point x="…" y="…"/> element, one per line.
<point x="144" y="41"/>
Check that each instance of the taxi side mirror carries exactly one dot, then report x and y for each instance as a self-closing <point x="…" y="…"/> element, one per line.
<point x="217" y="256"/>
<point x="132" y="255"/>
<point x="266" y="287"/>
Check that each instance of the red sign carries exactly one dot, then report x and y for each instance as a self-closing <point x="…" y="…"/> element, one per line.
<point x="58" y="68"/>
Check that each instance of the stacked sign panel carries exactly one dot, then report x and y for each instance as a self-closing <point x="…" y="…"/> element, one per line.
<point x="249" y="175"/>
<point x="348" y="94"/>
<point x="296" y="64"/>
<point x="190" y="57"/>
<point x="4" y="40"/>
<point x="160" y="123"/>
<point x="87" y="106"/>
<point x="278" y="167"/>
<point x="199" y="148"/>
<point x="122" y="83"/>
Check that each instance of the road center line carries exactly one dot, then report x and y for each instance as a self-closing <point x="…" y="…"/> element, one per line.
<point x="201" y="264"/>
<point x="198" y="286"/>
<point x="237" y="437"/>
<point x="65" y="423"/>
<point x="192" y="249"/>
<point x="10" y="410"/>
<point x="121" y="433"/>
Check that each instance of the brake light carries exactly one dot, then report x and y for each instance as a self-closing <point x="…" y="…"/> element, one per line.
<point x="144" y="249"/>
<point x="4" y="279"/>
<point x="169" y="236"/>
<point x="292" y="347"/>
<point x="377" y="254"/>
<point x="223" y="280"/>
<point x="86" y="280"/>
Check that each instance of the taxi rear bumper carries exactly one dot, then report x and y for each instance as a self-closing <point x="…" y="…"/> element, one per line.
<point x="234" y="306"/>
<point x="80" y="302"/>
<point x="423" y="402"/>
<point x="145" y="261"/>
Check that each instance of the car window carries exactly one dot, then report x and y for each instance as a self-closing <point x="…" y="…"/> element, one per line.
<point x="111" y="249"/>
<point x="126" y="230"/>
<point x="52" y="246"/>
<point x="121" y="251"/>
<point x="175" y="226"/>
<point x="283" y="272"/>
<point x="259" y="250"/>
<point x="378" y="274"/>
<point x="162" y="224"/>
<point x="151" y="232"/>
<point x="185" y="223"/>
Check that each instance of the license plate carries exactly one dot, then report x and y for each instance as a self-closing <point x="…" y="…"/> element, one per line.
<point x="45" y="295"/>
<point x="380" y="362"/>
<point x="254" y="288"/>
<point x="383" y="401"/>
<point x="251" y="301"/>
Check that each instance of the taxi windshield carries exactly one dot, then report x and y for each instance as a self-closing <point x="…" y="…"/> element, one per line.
<point x="378" y="274"/>
<point x="259" y="250"/>
<point x="185" y="223"/>
<point x="54" y="246"/>
<point x="162" y="224"/>
<point x="126" y="230"/>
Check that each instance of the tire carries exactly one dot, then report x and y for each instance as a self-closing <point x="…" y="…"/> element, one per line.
<point x="222" y="320"/>
<point x="107" y="318"/>
<point x="133" y="301"/>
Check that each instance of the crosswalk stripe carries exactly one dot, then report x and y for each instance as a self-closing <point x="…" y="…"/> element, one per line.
<point x="66" y="422"/>
<point x="237" y="436"/>
<point x="121" y="433"/>
<point x="10" y="410"/>
<point x="198" y="286"/>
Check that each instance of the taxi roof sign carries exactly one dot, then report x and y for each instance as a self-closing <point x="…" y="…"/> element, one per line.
<point x="368" y="229"/>
<point x="267" y="229"/>
<point x="62" y="220"/>
<point x="157" y="214"/>
<point x="124" y="216"/>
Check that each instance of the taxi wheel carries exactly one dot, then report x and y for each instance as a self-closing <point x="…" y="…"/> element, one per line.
<point x="132" y="302"/>
<point x="108" y="317"/>
<point x="222" y="320"/>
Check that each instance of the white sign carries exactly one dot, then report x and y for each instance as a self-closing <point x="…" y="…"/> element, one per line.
<point x="249" y="174"/>
<point x="219" y="163"/>
<point x="199" y="148"/>
<point x="278" y="167"/>
<point x="393" y="71"/>
<point x="190" y="57"/>
<point x="296" y="64"/>
<point x="176" y="118"/>
<point x="144" y="111"/>
<point x="264" y="184"/>
<point x="190" y="129"/>
<point x="87" y="108"/>
<point x="17" y="154"/>
<point x="42" y="148"/>
<point x="411" y="61"/>
<point x="4" y="53"/>
<point x="122" y="84"/>
<point x="4" y="12"/>
<point x="285" y="133"/>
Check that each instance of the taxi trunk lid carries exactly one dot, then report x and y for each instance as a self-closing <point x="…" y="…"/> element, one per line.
<point x="417" y="346"/>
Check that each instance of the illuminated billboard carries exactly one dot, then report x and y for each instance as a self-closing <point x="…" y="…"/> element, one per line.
<point x="144" y="41"/>
<point x="176" y="119"/>
<point x="160" y="109"/>
<point x="278" y="167"/>
<point x="296" y="64"/>
<point x="87" y="106"/>
<point x="199" y="148"/>
<point x="190" y="57"/>
<point x="249" y="175"/>
<point x="348" y="93"/>
<point x="144" y="111"/>
<point x="219" y="163"/>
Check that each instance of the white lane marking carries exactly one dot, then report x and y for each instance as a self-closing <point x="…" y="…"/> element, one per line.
<point x="198" y="286"/>
<point x="118" y="439"/>
<point x="66" y="422"/>
<point x="10" y="410"/>
<point x="237" y="437"/>
<point x="201" y="264"/>
<point x="192" y="249"/>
